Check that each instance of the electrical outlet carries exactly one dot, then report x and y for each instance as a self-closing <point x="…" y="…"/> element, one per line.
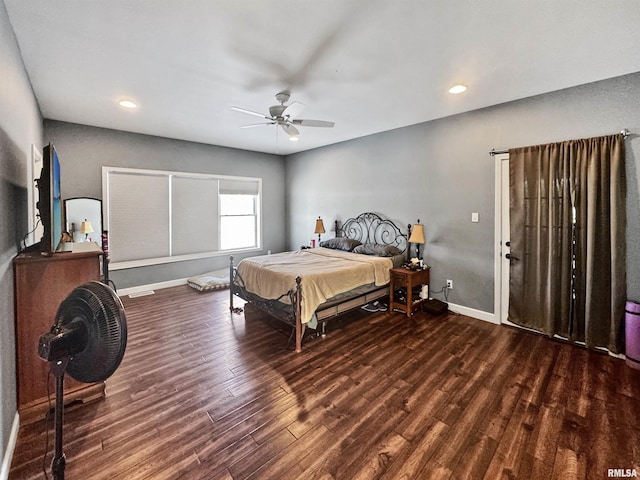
<point x="450" y="284"/>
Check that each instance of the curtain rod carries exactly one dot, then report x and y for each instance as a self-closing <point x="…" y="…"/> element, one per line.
<point x="624" y="132"/>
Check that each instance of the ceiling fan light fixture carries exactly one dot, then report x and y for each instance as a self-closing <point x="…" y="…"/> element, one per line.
<point x="459" y="88"/>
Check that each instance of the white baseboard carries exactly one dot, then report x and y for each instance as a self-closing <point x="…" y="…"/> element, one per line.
<point x="141" y="289"/>
<point x="152" y="286"/>
<point x="11" y="446"/>
<point x="473" y="313"/>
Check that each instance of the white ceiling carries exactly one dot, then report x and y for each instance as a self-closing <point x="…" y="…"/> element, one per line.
<point x="367" y="65"/>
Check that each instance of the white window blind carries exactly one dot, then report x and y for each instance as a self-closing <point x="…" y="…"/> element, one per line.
<point x="194" y="209"/>
<point x="138" y="216"/>
<point x="239" y="187"/>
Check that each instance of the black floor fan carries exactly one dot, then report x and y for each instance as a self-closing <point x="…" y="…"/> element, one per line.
<point x="87" y="341"/>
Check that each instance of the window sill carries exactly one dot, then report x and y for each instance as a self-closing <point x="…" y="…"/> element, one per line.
<point x="178" y="258"/>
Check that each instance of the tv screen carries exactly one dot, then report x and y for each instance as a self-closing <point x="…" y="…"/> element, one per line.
<point x="50" y="200"/>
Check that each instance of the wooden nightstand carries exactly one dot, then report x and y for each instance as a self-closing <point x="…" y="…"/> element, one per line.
<point x="404" y="289"/>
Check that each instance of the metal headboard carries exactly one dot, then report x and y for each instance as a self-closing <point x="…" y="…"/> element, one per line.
<point x="371" y="228"/>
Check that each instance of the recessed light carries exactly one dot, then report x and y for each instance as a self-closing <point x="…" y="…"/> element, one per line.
<point x="458" y="88"/>
<point x="127" y="104"/>
<point x="294" y="139"/>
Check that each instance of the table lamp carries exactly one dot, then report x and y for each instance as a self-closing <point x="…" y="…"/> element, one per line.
<point x="86" y="228"/>
<point x="319" y="228"/>
<point x="417" y="236"/>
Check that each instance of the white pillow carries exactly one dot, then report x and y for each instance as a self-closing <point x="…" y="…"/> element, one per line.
<point x="216" y="280"/>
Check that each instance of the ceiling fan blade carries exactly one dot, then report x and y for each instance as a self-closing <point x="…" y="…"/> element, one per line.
<point x="250" y="112"/>
<point x="293" y="110"/>
<point x="257" y="124"/>
<point x="290" y="130"/>
<point x="313" y="123"/>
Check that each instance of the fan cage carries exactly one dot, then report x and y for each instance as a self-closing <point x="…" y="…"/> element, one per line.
<point x="102" y="312"/>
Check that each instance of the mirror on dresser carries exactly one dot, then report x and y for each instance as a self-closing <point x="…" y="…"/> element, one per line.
<point x="82" y="209"/>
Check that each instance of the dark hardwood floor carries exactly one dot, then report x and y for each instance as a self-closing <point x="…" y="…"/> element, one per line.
<point x="202" y="395"/>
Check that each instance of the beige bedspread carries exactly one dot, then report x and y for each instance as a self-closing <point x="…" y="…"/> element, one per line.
<point x="324" y="273"/>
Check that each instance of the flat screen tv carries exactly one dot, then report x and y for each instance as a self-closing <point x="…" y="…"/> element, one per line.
<point x="50" y="200"/>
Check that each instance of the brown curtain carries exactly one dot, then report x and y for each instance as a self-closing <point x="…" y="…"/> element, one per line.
<point x="568" y="216"/>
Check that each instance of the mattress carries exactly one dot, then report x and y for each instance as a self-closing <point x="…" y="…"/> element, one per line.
<point x="325" y="275"/>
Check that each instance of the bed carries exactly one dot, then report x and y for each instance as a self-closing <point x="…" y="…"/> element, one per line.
<point x="307" y="287"/>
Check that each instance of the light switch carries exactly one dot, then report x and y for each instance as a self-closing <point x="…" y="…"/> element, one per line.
<point x="474" y="217"/>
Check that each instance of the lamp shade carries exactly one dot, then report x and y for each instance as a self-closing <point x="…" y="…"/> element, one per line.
<point x="86" y="227"/>
<point x="417" y="233"/>
<point x="319" y="226"/>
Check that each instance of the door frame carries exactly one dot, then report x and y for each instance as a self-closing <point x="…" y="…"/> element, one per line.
<point x="498" y="265"/>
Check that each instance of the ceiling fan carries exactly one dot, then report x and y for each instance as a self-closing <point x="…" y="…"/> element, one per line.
<point x="284" y="116"/>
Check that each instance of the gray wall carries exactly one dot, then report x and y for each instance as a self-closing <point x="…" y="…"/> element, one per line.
<point x="440" y="172"/>
<point x="84" y="150"/>
<point x="20" y="127"/>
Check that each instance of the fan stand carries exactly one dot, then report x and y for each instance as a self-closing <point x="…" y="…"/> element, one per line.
<point x="59" y="461"/>
<point x="87" y="341"/>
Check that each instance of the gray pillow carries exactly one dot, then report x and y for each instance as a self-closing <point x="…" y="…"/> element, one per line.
<point x="378" y="250"/>
<point x="340" y="243"/>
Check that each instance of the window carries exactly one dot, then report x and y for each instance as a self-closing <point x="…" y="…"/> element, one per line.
<point x="158" y="217"/>
<point x="238" y="221"/>
<point x="238" y="214"/>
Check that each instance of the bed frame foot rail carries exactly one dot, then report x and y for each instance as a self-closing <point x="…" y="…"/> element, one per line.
<point x="295" y="296"/>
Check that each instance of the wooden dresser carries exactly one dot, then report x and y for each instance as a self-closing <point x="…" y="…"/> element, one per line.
<point x="41" y="284"/>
